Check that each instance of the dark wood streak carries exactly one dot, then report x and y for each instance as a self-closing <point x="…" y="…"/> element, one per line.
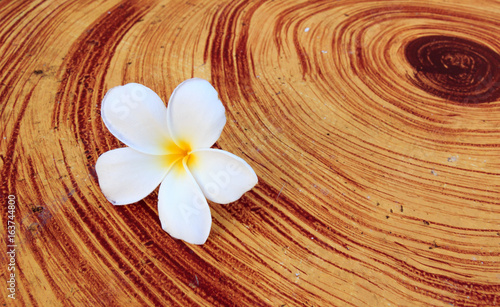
<point x="12" y="60"/>
<point x="455" y="68"/>
<point x="8" y="171"/>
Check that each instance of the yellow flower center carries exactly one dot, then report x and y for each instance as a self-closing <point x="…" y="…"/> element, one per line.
<point x="179" y="154"/>
<point x="185" y="150"/>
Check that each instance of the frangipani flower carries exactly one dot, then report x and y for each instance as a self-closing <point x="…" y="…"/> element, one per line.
<point x="170" y="147"/>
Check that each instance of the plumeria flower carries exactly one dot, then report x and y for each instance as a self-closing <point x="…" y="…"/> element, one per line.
<point x="170" y="147"/>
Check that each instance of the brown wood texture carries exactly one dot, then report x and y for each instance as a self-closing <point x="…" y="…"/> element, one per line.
<point x="373" y="126"/>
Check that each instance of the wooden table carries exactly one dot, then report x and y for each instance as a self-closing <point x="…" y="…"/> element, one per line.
<point x="373" y="126"/>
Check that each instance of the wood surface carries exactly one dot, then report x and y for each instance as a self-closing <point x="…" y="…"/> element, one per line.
<point x="373" y="126"/>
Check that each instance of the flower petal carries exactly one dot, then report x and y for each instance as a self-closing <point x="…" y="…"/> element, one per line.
<point x="183" y="210"/>
<point x="196" y="116"/>
<point x="138" y="117"/>
<point x="222" y="176"/>
<point x="127" y="176"/>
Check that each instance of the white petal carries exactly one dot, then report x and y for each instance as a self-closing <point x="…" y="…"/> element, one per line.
<point x="222" y="176"/>
<point x="138" y="117"/>
<point x="196" y="116"/>
<point x="127" y="176"/>
<point x="183" y="210"/>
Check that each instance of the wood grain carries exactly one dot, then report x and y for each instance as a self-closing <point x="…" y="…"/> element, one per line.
<point x="374" y="128"/>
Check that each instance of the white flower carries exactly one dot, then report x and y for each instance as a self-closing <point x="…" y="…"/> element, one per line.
<point x="171" y="146"/>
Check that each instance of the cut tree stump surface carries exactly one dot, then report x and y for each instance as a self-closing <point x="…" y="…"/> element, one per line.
<point x="373" y="127"/>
